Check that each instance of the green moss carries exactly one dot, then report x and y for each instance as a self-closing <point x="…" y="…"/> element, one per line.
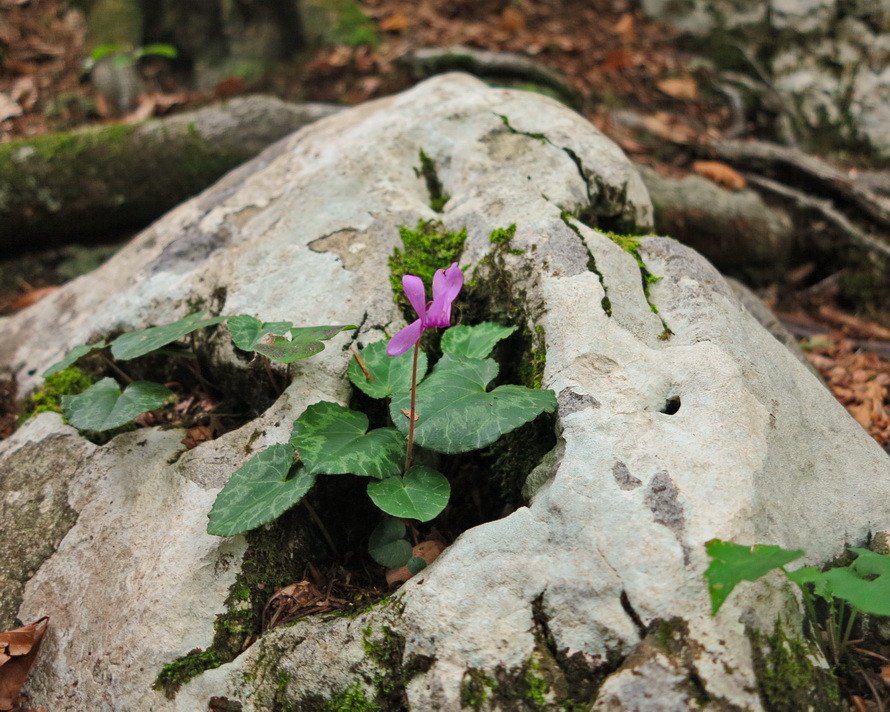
<point x="538" y="136"/>
<point x="427" y="248"/>
<point x="476" y="687"/>
<point x="427" y="170"/>
<point x="48" y="397"/>
<point x="175" y="674"/>
<point x="787" y="677"/>
<point x="538" y="687"/>
<point x="502" y="236"/>
<point x="352" y="699"/>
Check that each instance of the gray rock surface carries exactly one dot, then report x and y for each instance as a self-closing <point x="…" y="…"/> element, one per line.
<point x="545" y="601"/>
<point x="830" y="59"/>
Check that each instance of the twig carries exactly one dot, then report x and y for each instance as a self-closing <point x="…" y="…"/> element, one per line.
<point x="759" y="154"/>
<point x="117" y="369"/>
<point x="321" y="527"/>
<point x="826" y="210"/>
<point x="361" y="364"/>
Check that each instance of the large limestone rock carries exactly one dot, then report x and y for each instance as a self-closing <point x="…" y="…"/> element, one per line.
<point x="829" y="59"/>
<point x="593" y="592"/>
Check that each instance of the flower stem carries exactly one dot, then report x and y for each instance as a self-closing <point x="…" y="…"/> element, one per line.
<point x="412" y="416"/>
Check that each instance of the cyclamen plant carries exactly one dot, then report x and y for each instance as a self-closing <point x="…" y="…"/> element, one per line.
<point x="447" y="411"/>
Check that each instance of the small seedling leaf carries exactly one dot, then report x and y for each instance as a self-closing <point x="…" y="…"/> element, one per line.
<point x="387" y="545"/>
<point x="264" y="487"/>
<point x="247" y="331"/>
<point x="333" y="440"/>
<point x="474" y="341"/>
<point x="456" y="413"/>
<point x="102" y="406"/>
<point x="389" y="374"/>
<point x="75" y="353"/>
<point x="304" y="342"/>
<point x="732" y="563"/>
<point x="421" y="493"/>
<point x="138" y="343"/>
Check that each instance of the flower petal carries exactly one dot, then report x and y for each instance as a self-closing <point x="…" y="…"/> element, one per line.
<point x="416" y="293"/>
<point x="446" y="286"/>
<point x="405" y="339"/>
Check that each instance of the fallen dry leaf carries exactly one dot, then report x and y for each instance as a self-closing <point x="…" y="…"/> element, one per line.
<point x="720" y="173"/>
<point x="19" y="649"/>
<point x="669" y="127"/>
<point x="626" y="27"/>
<point x="512" y="20"/>
<point x="396" y="22"/>
<point x="427" y="550"/>
<point x="679" y="88"/>
<point x="27" y="299"/>
<point x="196" y="435"/>
<point x="885" y="674"/>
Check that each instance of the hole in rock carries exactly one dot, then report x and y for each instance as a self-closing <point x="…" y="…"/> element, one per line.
<point x="671" y="405"/>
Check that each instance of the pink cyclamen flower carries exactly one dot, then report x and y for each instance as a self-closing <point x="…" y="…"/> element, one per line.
<point x="447" y="284"/>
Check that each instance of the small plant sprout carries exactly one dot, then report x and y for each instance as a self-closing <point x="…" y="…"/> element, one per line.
<point x="447" y="409"/>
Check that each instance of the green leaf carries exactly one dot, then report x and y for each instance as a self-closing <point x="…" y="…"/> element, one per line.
<point x="387" y="545"/>
<point x="247" y="331"/>
<point x="456" y="414"/>
<point x="416" y="564"/>
<point x="75" y="353"/>
<point x="732" y="563"/>
<point x="157" y="50"/>
<point x="474" y="341"/>
<point x="304" y="342"/>
<point x="421" y="493"/>
<point x="144" y="341"/>
<point x="264" y="487"/>
<point x="849" y="583"/>
<point x="102" y="406"/>
<point x="333" y="440"/>
<point x="390" y="374"/>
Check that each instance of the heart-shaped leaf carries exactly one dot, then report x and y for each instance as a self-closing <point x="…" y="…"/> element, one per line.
<point x="387" y="545"/>
<point x="305" y="341"/>
<point x="732" y="563"/>
<point x="75" y="353"/>
<point x="389" y="374"/>
<point x="333" y="440"/>
<point x="456" y="414"/>
<point x="138" y="343"/>
<point x="474" y="341"/>
<point x="264" y="487"/>
<point x="247" y="331"/>
<point x="102" y="406"/>
<point x="421" y="493"/>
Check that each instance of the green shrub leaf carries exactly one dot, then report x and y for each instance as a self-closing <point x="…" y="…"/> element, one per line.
<point x="102" y="406"/>
<point x="864" y="584"/>
<point x="144" y="341"/>
<point x="456" y="414"/>
<point x="75" y="353"/>
<point x="732" y="563"/>
<point x="304" y="342"/>
<point x="333" y="440"/>
<point x="264" y="487"/>
<point x="421" y="493"/>
<point x="389" y="374"/>
<point x="474" y="341"/>
<point x="247" y="331"/>
<point x="387" y="545"/>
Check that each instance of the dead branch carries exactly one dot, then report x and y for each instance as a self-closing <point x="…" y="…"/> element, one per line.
<point x="758" y="155"/>
<point x="827" y="211"/>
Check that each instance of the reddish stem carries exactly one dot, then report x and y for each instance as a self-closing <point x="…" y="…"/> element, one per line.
<point x="412" y="416"/>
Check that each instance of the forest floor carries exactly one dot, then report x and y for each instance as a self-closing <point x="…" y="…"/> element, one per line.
<point x="608" y="52"/>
